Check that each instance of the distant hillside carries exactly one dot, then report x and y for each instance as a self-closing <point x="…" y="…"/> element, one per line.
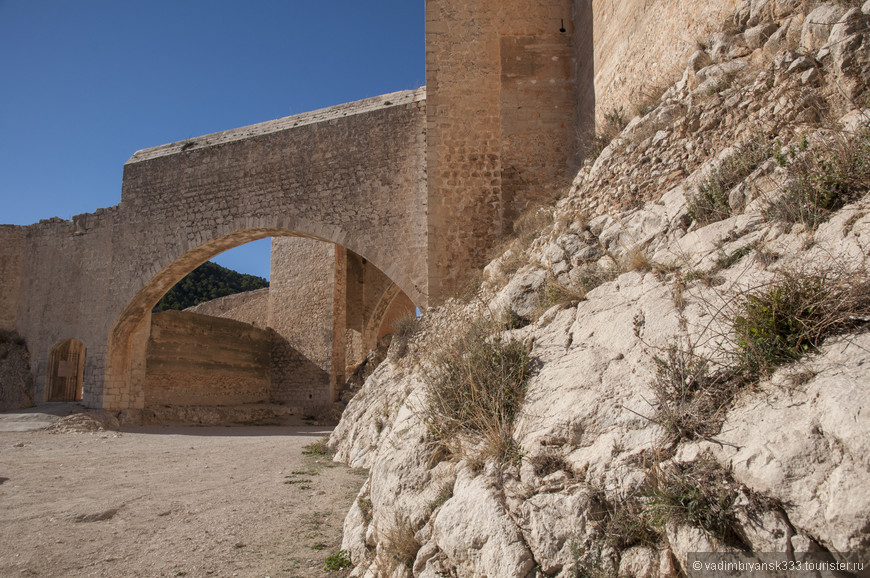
<point x="206" y="282"/>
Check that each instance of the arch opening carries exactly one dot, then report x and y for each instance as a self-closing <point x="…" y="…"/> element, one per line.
<point x="310" y="347"/>
<point x="65" y="373"/>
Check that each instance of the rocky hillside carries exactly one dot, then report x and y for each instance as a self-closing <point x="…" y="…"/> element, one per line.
<point x="673" y="359"/>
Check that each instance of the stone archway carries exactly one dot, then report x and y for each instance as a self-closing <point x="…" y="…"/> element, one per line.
<point x="66" y="367"/>
<point x="128" y="338"/>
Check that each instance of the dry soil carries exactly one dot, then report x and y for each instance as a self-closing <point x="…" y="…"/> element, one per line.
<point x="171" y="501"/>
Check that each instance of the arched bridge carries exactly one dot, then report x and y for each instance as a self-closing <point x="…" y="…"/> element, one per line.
<point x="404" y="193"/>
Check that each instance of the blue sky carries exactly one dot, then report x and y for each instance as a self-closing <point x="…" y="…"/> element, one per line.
<point x="86" y="83"/>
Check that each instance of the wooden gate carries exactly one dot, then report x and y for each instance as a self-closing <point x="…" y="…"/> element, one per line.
<point x="66" y="368"/>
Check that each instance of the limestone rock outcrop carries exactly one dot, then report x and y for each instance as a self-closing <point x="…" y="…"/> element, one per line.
<point x="651" y="387"/>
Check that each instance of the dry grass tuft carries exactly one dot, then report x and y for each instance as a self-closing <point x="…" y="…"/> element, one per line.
<point x="475" y="389"/>
<point x="404" y="329"/>
<point x="557" y="294"/>
<point x="400" y="545"/>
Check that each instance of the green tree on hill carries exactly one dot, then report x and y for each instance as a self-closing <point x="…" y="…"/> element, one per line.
<point x="206" y="282"/>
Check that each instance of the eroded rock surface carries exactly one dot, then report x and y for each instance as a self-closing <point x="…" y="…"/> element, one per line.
<point x="619" y="298"/>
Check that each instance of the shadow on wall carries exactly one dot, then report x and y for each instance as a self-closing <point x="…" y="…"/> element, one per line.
<point x="584" y="46"/>
<point x="296" y="380"/>
<point x="16" y="380"/>
<point x="199" y="360"/>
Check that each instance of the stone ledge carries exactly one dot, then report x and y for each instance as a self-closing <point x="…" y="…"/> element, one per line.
<point x="339" y="111"/>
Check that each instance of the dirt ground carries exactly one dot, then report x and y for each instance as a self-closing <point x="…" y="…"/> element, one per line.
<point x="171" y="501"/>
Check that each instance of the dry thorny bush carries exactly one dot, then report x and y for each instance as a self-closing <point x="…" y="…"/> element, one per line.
<point x="710" y="203"/>
<point x="475" y="386"/>
<point x="825" y="178"/>
<point x="400" y="546"/>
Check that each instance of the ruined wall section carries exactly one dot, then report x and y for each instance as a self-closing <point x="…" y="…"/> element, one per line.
<point x="301" y="309"/>
<point x="195" y="359"/>
<point x="249" y="307"/>
<point x="66" y="291"/>
<point x="353" y="175"/>
<point x="500" y="107"/>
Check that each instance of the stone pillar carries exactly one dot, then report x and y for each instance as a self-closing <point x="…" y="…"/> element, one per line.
<point x="301" y="310"/>
<point x="500" y="78"/>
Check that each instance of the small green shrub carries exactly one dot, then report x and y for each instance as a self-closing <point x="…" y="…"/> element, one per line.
<point x="337" y="561"/>
<point x="793" y="315"/>
<point x="615" y="118"/>
<point x="627" y="525"/>
<point x="365" y="507"/>
<point x="475" y="389"/>
<point x="318" y="448"/>
<point x="700" y="493"/>
<point x="710" y="203"/>
<point x="614" y="122"/>
<point x="725" y="261"/>
<point x="445" y="494"/>
<point x="826" y="179"/>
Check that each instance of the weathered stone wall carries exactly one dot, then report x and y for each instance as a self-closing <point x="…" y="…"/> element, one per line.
<point x="370" y="294"/>
<point x="500" y="122"/>
<point x="12" y="243"/>
<point x="301" y="292"/>
<point x="66" y="291"/>
<point x="639" y="46"/>
<point x="248" y="307"/>
<point x="195" y="359"/>
<point x="353" y="175"/>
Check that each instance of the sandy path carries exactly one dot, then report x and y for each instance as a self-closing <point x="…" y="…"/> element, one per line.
<point x="161" y="501"/>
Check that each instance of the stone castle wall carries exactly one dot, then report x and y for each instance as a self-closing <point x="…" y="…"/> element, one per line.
<point x="195" y="359"/>
<point x="640" y="46"/>
<point x="249" y="307"/>
<point x="353" y="175"/>
<point x="301" y="312"/>
<point x="12" y="253"/>
<point x="420" y="184"/>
